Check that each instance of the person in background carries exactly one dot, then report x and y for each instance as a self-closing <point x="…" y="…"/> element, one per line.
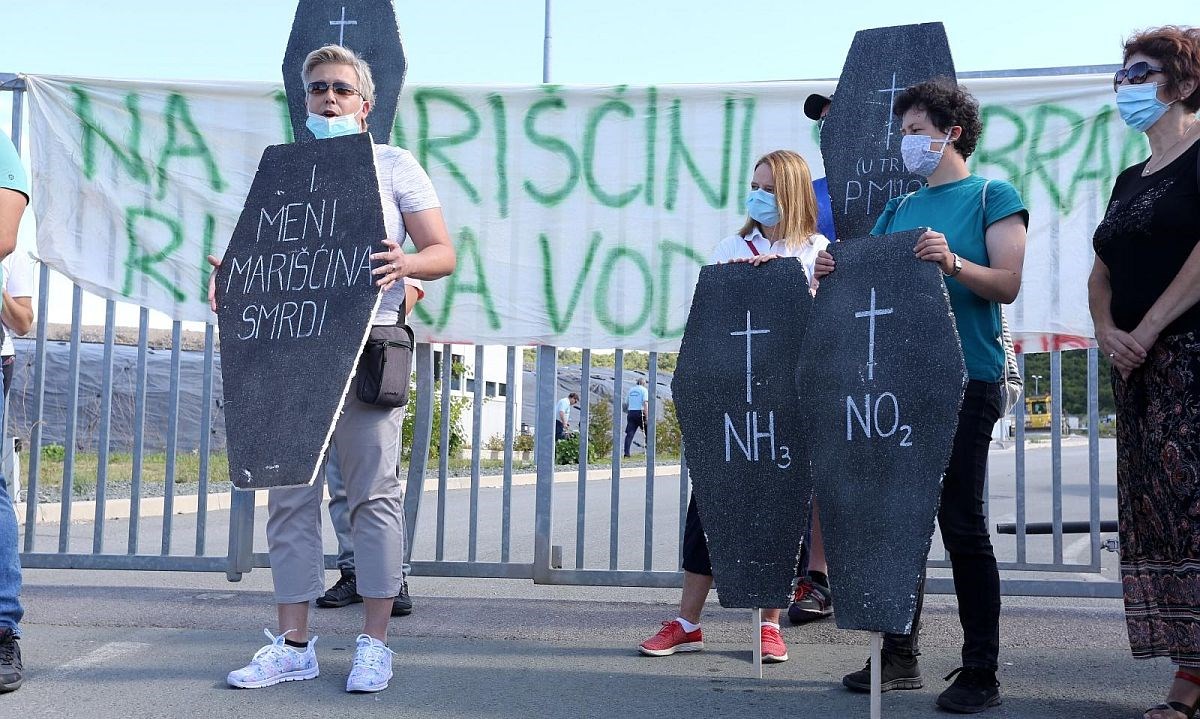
<point x="1144" y="293"/>
<point x="562" y="418"/>
<point x="635" y="414"/>
<point x="812" y="597"/>
<point x="14" y="197"/>
<point x="816" y="107"/>
<point x="344" y="591"/>
<point x="781" y="221"/>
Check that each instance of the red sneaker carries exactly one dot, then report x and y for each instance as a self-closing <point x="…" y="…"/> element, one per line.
<point x="672" y="638"/>
<point x="773" y="648"/>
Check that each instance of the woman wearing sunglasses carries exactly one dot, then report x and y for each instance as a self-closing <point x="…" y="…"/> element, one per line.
<point x="366" y="437"/>
<point x="1144" y="293"/>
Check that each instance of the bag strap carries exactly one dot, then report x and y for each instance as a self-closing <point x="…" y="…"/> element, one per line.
<point x="753" y="249"/>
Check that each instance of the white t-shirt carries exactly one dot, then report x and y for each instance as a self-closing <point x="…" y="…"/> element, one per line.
<point x="807" y="252"/>
<point x="403" y="187"/>
<point x="564" y="409"/>
<point x="737" y="247"/>
<point x="18" y="281"/>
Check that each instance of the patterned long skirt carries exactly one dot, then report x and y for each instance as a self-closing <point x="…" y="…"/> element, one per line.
<point x="1158" y="498"/>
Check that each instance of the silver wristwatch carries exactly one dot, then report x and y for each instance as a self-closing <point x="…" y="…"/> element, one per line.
<point x="957" y="266"/>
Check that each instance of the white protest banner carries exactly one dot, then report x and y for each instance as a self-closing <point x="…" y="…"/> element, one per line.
<point x="581" y="214"/>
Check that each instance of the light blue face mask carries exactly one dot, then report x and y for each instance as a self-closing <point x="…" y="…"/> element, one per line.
<point x="760" y="205"/>
<point x="324" y="128"/>
<point x="918" y="158"/>
<point x="1139" y="105"/>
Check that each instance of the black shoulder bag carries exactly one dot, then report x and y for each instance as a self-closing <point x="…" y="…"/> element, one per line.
<point x="386" y="364"/>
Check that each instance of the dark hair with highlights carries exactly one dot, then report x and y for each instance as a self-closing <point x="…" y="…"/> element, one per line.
<point x="947" y="105"/>
<point x="1177" y="48"/>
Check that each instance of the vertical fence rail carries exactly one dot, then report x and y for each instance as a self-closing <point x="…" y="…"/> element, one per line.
<point x="476" y="453"/>
<point x="444" y="452"/>
<point x="585" y="402"/>
<point x="1056" y="448"/>
<point x="510" y="379"/>
<point x="106" y="393"/>
<point x="172" y="438"/>
<point x="418" y="459"/>
<point x="206" y="397"/>
<point x="68" y="475"/>
<point x="1019" y="469"/>
<point x="1093" y="406"/>
<point x="614" y="498"/>
<point x="547" y="383"/>
<point x="649" y="413"/>
<point x="39" y="406"/>
<point x="139" y="432"/>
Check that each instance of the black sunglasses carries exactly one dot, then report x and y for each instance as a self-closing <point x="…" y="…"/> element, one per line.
<point x="342" y="89"/>
<point x="1136" y="74"/>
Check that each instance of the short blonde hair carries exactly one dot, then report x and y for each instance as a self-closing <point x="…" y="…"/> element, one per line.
<point x="794" y="198"/>
<point x="338" y="55"/>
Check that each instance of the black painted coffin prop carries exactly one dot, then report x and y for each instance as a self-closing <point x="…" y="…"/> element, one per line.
<point x="881" y="379"/>
<point x="296" y="301"/>
<point x="860" y="140"/>
<point x="367" y="27"/>
<point x="734" y="390"/>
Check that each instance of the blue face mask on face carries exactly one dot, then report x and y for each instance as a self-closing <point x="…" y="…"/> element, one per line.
<point x="918" y="158"/>
<point x="760" y="205"/>
<point x="324" y="128"/>
<point x="1139" y="105"/>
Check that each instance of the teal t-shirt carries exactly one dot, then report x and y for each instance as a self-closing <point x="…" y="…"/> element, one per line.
<point x="957" y="210"/>
<point x="12" y="172"/>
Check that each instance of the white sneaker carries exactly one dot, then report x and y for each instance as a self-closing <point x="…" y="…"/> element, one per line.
<point x="275" y="663"/>
<point x="372" y="666"/>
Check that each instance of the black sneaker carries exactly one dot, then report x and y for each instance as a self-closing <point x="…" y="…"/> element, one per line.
<point x="810" y="601"/>
<point x="974" y="690"/>
<point x="11" y="670"/>
<point x="897" y="673"/>
<point x="402" y="604"/>
<point x="342" y="593"/>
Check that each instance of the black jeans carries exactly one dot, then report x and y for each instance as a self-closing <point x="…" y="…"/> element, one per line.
<point x="965" y="535"/>
<point x="635" y="419"/>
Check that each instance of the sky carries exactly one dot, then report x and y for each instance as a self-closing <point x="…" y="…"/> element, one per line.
<point x="609" y="42"/>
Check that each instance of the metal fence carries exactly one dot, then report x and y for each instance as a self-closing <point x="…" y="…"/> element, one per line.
<point x="606" y="526"/>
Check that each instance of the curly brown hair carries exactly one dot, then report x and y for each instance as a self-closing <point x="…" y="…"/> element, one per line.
<point x="1177" y="48"/>
<point x="947" y="105"/>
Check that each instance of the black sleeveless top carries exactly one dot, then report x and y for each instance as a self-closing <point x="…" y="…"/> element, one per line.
<point x="1151" y="227"/>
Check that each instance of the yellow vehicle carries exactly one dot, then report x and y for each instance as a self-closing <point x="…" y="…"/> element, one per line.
<point x="1037" y="413"/>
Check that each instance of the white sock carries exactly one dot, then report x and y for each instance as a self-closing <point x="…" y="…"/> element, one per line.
<point x="769" y="624"/>
<point x="687" y="626"/>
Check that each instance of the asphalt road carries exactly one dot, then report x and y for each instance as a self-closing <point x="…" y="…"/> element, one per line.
<point x="148" y="644"/>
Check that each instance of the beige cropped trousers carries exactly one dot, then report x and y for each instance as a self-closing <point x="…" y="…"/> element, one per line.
<point x="367" y="438"/>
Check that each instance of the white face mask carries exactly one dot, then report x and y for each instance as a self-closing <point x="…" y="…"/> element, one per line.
<point x="324" y="128"/>
<point x="918" y="158"/>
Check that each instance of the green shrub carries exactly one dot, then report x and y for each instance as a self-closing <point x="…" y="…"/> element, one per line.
<point x="523" y="443"/>
<point x="566" y="450"/>
<point x="600" y="430"/>
<point x="495" y="443"/>
<point x="458" y="435"/>
<point x="668" y="438"/>
<point x="54" y="452"/>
